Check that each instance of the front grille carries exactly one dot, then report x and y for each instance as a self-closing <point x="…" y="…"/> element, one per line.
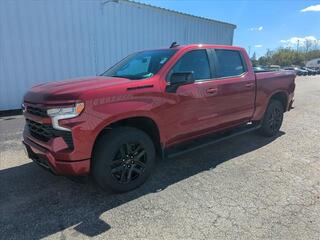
<point x="40" y="131"/>
<point x="37" y="111"/>
<point x="46" y="132"/>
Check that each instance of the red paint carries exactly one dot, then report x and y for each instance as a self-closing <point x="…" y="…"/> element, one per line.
<point x="194" y="110"/>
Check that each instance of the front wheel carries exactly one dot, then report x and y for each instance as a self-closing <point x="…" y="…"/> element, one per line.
<point x="123" y="159"/>
<point x="272" y="120"/>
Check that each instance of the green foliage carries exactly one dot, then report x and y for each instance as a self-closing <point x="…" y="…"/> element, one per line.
<point x="288" y="57"/>
<point x="313" y="54"/>
<point x="254" y="60"/>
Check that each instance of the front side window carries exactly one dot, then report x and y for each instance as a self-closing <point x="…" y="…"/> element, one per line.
<point x="140" y="65"/>
<point x="195" y="61"/>
<point x="229" y="63"/>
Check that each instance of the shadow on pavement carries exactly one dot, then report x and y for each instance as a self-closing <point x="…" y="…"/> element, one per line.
<point x="35" y="204"/>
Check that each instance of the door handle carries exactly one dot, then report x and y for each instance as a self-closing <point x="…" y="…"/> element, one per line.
<point x="249" y="85"/>
<point x="212" y="90"/>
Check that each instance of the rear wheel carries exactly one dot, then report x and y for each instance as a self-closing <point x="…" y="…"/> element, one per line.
<point x="272" y="120"/>
<point x="123" y="159"/>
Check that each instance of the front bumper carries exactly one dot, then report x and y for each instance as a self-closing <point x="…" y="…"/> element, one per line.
<point x="63" y="153"/>
<point x="46" y="159"/>
<point x="290" y="102"/>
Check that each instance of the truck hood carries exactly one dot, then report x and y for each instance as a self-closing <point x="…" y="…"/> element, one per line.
<point x="69" y="90"/>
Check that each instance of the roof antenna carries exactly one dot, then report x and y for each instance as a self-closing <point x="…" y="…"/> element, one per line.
<point x="174" y="44"/>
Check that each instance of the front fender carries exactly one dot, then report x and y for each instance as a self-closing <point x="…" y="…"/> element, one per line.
<point x="113" y="119"/>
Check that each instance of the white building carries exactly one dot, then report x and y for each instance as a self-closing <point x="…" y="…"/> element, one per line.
<point x="43" y="41"/>
<point x="313" y="63"/>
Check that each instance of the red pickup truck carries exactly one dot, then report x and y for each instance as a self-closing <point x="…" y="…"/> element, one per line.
<point x="113" y="126"/>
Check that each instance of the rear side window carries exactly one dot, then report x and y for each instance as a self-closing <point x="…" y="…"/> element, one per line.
<point x="195" y="61"/>
<point x="229" y="63"/>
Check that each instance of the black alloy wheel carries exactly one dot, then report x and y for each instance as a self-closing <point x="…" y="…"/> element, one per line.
<point x="275" y="119"/>
<point x="129" y="163"/>
<point x="123" y="159"/>
<point x="272" y="120"/>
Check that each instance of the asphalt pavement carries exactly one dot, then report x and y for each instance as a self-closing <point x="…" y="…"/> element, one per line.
<point x="248" y="187"/>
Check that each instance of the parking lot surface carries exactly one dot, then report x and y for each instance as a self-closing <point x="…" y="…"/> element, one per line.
<point x="248" y="187"/>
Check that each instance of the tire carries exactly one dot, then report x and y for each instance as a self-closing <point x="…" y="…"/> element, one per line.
<point x="123" y="159"/>
<point x="272" y="119"/>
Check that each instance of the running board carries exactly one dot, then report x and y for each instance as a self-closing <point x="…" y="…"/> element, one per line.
<point x="208" y="140"/>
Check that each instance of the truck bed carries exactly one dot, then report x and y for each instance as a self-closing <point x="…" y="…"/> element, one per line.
<point x="272" y="82"/>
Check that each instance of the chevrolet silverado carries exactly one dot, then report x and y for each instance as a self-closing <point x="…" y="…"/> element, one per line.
<point x="114" y="126"/>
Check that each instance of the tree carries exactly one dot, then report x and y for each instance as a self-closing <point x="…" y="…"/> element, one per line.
<point x="308" y="44"/>
<point x="289" y="56"/>
<point x="254" y="59"/>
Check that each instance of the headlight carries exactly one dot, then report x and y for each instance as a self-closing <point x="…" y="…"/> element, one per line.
<point x="57" y="114"/>
<point x="23" y="108"/>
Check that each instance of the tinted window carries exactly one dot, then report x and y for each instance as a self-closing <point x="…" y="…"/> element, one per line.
<point x="141" y="65"/>
<point x="194" y="61"/>
<point x="229" y="63"/>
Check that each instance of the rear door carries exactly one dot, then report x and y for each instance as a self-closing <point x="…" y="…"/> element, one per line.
<point x="233" y="102"/>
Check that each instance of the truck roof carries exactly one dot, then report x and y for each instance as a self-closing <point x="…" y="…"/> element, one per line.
<point x="200" y="45"/>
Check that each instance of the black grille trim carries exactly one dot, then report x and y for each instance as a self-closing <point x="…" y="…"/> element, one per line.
<point x="44" y="132"/>
<point x="41" y="160"/>
<point x="37" y="111"/>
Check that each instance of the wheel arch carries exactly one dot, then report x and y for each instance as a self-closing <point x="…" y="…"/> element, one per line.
<point x="144" y="123"/>
<point x="282" y="97"/>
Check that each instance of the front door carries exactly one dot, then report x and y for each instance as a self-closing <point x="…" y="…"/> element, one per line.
<point x="189" y="109"/>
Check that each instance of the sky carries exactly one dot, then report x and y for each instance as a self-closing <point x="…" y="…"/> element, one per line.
<point x="261" y="24"/>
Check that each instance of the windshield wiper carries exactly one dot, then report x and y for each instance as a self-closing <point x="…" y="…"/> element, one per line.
<point x="134" y="77"/>
<point x="131" y="77"/>
<point x="118" y="76"/>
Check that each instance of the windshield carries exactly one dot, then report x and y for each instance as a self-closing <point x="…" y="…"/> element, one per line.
<point x="140" y="65"/>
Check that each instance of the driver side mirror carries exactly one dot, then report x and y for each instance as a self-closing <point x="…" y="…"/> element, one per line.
<point x="179" y="78"/>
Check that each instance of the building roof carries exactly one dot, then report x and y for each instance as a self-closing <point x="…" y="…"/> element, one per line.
<point x="172" y="11"/>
